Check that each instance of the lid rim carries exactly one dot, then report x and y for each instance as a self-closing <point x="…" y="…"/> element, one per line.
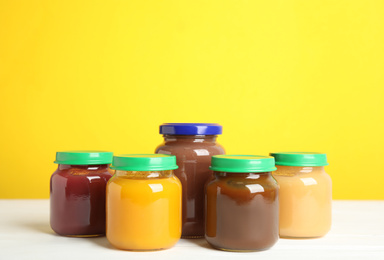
<point x="192" y="134"/>
<point x="304" y="159"/>
<point x="303" y="164"/>
<point x="77" y="163"/>
<point x="83" y="157"/>
<point x="190" y="129"/>
<point x="242" y="163"/>
<point x="241" y="170"/>
<point x="144" y="162"/>
<point x="141" y="169"/>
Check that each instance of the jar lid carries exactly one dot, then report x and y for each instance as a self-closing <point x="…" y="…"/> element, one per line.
<point x="300" y="159"/>
<point x="190" y="129"/>
<point x="83" y="157"/>
<point x="242" y="163"/>
<point x="144" y="162"/>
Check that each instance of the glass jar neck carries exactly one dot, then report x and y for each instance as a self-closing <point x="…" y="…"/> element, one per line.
<point x="296" y="170"/>
<point x="144" y="174"/>
<point x="191" y="138"/>
<point x="246" y="175"/>
<point x="95" y="167"/>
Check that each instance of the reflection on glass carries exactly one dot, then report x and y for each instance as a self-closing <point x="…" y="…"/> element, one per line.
<point x="201" y="152"/>
<point x="308" y="181"/>
<point x="157" y="187"/>
<point x="255" y="188"/>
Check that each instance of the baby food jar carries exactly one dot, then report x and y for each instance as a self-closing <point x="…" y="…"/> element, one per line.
<point x="144" y="202"/>
<point x="242" y="207"/>
<point x="78" y="193"/>
<point x="305" y="194"/>
<point x="193" y="145"/>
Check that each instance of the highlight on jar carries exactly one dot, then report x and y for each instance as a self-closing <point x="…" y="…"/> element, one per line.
<point x="144" y="202"/>
<point x="77" y="193"/>
<point x="242" y="203"/>
<point x="305" y="194"/>
<point x="193" y="144"/>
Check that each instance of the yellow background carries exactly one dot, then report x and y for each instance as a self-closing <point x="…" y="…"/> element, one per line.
<point x="278" y="75"/>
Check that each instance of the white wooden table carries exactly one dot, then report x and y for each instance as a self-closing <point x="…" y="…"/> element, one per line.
<point x="357" y="233"/>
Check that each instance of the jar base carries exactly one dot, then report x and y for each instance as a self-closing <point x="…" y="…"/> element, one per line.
<point x="240" y="250"/>
<point x="301" y="237"/>
<point x="192" y="237"/>
<point x="96" y="235"/>
<point x="143" y="250"/>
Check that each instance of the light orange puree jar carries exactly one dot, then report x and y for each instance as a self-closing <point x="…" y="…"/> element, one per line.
<point x="305" y="194"/>
<point x="143" y="203"/>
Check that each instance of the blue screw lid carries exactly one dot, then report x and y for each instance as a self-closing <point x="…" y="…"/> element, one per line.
<point x="190" y="129"/>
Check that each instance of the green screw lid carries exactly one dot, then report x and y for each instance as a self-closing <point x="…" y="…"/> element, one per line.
<point x="144" y="162"/>
<point x="242" y="163"/>
<point x="83" y="157"/>
<point x="300" y="159"/>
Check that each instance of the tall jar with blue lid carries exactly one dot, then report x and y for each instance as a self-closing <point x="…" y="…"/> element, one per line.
<point x="193" y="144"/>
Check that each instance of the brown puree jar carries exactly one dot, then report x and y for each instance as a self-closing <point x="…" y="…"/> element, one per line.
<point x="193" y="145"/>
<point x="242" y="207"/>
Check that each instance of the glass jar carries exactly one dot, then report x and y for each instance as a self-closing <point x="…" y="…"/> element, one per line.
<point x="193" y="145"/>
<point x="144" y="203"/>
<point x="305" y="194"/>
<point x="77" y="193"/>
<point x="242" y="207"/>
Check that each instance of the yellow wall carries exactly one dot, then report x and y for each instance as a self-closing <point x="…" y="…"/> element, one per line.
<point x="278" y="75"/>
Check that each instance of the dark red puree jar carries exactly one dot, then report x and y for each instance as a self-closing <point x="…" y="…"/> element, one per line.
<point x="242" y="203"/>
<point x="193" y="145"/>
<point x="78" y="193"/>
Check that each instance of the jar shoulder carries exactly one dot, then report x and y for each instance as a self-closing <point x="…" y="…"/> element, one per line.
<point x="82" y="174"/>
<point x="267" y="182"/>
<point x="198" y="148"/>
<point x="243" y="191"/>
<point x="306" y="179"/>
<point x="122" y="181"/>
<point x="133" y="187"/>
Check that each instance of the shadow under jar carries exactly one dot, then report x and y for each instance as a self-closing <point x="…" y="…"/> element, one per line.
<point x="77" y="193"/>
<point x="193" y="144"/>
<point x="242" y="207"/>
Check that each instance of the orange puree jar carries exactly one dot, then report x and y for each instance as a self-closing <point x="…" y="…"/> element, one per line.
<point x="143" y="202"/>
<point x="305" y="194"/>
